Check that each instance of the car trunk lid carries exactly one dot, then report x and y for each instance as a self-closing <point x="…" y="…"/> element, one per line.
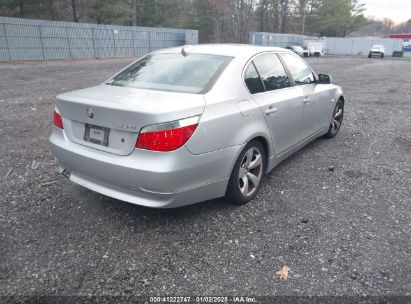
<point x="108" y="118"/>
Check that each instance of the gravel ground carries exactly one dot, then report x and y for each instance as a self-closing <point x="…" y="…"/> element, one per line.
<point x="337" y="213"/>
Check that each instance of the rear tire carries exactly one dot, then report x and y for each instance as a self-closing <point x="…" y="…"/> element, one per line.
<point x="248" y="174"/>
<point x="382" y="55"/>
<point x="336" y="120"/>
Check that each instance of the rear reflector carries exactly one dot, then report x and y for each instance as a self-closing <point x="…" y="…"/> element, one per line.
<point x="167" y="136"/>
<point x="57" y="119"/>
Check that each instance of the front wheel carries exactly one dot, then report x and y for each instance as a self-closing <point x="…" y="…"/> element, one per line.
<point x="247" y="175"/>
<point x="337" y="119"/>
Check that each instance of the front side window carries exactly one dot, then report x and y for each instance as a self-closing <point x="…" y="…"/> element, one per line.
<point x="300" y="72"/>
<point x="193" y="73"/>
<point x="271" y="71"/>
<point x="253" y="80"/>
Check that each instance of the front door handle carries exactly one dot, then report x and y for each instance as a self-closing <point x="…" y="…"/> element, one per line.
<point x="307" y="100"/>
<point x="270" y="111"/>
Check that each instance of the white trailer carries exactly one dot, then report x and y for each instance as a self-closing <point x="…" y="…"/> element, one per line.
<point x="315" y="46"/>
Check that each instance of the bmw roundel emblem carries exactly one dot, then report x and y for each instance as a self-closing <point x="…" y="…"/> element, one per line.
<point x="90" y="113"/>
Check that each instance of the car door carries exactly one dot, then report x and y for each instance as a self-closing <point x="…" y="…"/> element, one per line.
<point x="280" y="103"/>
<point x="315" y="98"/>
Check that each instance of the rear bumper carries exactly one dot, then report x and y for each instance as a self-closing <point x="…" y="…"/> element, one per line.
<point x="153" y="179"/>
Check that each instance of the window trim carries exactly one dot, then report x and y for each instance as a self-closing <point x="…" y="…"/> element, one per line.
<point x="299" y="58"/>
<point x="290" y="76"/>
<point x="251" y="61"/>
<point x="259" y="77"/>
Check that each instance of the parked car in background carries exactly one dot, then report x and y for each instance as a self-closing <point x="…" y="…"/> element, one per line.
<point x="315" y="52"/>
<point x="184" y="125"/>
<point x="377" y="50"/>
<point x="315" y="46"/>
<point x="298" y="50"/>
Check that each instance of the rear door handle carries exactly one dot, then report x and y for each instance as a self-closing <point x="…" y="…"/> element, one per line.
<point x="307" y="100"/>
<point x="270" y="111"/>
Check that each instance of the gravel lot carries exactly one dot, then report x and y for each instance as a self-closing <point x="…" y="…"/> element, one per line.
<point x="338" y="212"/>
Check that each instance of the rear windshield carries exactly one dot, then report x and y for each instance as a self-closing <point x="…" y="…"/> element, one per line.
<point x="193" y="73"/>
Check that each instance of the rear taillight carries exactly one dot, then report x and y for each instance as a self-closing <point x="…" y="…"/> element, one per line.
<point x="57" y="119"/>
<point x="167" y="136"/>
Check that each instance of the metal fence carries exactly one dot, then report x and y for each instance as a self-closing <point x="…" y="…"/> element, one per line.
<point x="276" y="39"/>
<point x="334" y="46"/>
<point x="361" y="45"/>
<point x="25" y="39"/>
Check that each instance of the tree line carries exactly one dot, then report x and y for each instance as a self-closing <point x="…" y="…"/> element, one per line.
<point x="216" y="20"/>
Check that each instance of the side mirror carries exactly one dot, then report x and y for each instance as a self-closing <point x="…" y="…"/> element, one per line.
<point x="324" y="79"/>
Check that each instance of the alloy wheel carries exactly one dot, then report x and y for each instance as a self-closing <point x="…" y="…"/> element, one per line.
<point x="250" y="172"/>
<point x="337" y="118"/>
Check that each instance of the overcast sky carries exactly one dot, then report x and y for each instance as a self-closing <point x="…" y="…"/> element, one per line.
<point x="397" y="10"/>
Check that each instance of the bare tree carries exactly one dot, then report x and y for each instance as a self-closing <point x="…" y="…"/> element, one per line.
<point x="242" y="18"/>
<point x="263" y="15"/>
<point x="284" y="6"/>
<point x="217" y="20"/>
<point x="75" y="13"/>
<point x="134" y="5"/>
<point x="302" y="12"/>
<point x="21" y="7"/>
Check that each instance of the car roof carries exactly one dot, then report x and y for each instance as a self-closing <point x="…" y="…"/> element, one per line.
<point x="232" y="50"/>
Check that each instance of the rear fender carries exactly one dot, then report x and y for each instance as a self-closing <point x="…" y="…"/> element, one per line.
<point x="224" y="125"/>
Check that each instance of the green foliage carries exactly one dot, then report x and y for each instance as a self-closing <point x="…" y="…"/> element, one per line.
<point x="200" y="17"/>
<point x="112" y="12"/>
<point x="337" y="18"/>
<point x="35" y="9"/>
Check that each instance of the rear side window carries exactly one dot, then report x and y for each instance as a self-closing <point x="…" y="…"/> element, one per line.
<point x="272" y="72"/>
<point x="299" y="71"/>
<point x="194" y="73"/>
<point x="253" y="80"/>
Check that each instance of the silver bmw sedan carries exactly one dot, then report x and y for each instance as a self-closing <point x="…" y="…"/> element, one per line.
<point x="193" y="123"/>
